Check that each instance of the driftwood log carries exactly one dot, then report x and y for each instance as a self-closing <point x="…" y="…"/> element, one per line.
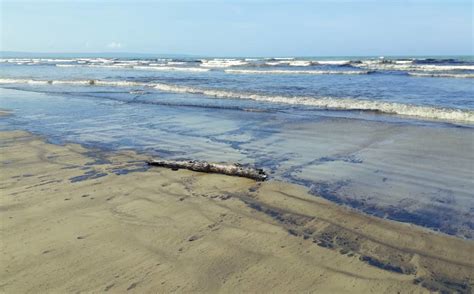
<point x="203" y="166"/>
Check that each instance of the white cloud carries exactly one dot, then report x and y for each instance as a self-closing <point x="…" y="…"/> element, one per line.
<point x="114" y="45"/>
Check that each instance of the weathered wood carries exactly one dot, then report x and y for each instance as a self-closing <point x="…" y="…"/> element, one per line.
<point x="203" y="166"/>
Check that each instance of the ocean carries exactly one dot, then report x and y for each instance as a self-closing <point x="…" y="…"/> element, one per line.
<point x="391" y="137"/>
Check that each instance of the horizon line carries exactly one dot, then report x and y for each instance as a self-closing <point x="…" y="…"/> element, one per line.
<point x="131" y="53"/>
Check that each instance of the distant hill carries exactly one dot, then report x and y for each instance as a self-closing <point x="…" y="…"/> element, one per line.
<point x="18" y="54"/>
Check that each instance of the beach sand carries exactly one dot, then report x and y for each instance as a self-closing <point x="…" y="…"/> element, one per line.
<point x="77" y="220"/>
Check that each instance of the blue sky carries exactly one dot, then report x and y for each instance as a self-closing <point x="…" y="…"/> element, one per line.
<point x="240" y="28"/>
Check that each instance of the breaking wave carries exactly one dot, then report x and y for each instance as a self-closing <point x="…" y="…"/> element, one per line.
<point x="330" y="103"/>
<point x="333" y="62"/>
<point x="409" y="66"/>
<point x="441" y="75"/>
<point x="172" y="68"/>
<point x="156" y="67"/>
<point x="217" y="63"/>
<point x="289" y="62"/>
<point x="308" y="72"/>
<point x="429" y="65"/>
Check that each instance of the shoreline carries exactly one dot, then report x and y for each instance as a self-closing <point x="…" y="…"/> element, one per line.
<point x="92" y="215"/>
<point x="383" y="168"/>
<point x="354" y="206"/>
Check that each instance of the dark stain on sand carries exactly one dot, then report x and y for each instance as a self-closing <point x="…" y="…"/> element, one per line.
<point x="334" y="237"/>
<point x="92" y="174"/>
<point x="124" y="171"/>
<point x="432" y="216"/>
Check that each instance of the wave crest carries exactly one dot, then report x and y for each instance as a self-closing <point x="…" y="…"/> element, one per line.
<point x="217" y="63"/>
<point x="441" y="75"/>
<point x="377" y="65"/>
<point x="308" y="72"/>
<point x="425" y="112"/>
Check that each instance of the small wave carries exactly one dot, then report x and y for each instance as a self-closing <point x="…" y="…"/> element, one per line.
<point x="216" y="63"/>
<point x="441" y="75"/>
<point x="403" y="61"/>
<point x="333" y="62"/>
<point x="276" y="63"/>
<point x="300" y="63"/>
<point x="121" y="66"/>
<point x="375" y="65"/>
<point x="425" y="112"/>
<point x="176" y="62"/>
<point x="35" y="60"/>
<point x="308" y="72"/>
<point x="172" y="68"/>
<point x="72" y="82"/>
<point x="24" y="81"/>
<point x="279" y="58"/>
<point x="420" y="64"/>
<point x="289" y="62"/>
<point x="160" y="67"/>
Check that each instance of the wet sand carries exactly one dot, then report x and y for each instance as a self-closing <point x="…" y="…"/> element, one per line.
<point x="81" y="220"/>
<point x="407" y="171"/>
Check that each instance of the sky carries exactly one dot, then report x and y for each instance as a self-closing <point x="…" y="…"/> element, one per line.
<point x="240" y="28"/>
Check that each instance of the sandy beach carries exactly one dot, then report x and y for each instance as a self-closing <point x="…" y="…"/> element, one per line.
<point x="236" y="147"/>
<point x="77" y="220"/>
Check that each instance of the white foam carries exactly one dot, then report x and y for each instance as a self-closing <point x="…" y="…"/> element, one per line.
<point x="441" y="75"/>
<point x="275" y="63"/>
<point x="24" y="81"/>
<point x="119" y="83"/>
<point x="160" y="67"/>
<point x="96" y="65"/>
<point x="426" y="112"/>
<point x="35" y="60"/>
<point x="218" y="62"/>
<point x="403" y="61"/>
<point x="172" y="68"/>
<point x="333" y="62"/>
<point x="111" y="65"/>
<point x="102" y="60"/>
<point x="132" y="62"/>
<point x="289" y="72"/>
<point x="72" y="82"/>
<point x="52" y="60"/>
<point x="292" y="62"/>
<point x="176" y="63"/>
<point x="76" y="82"/>
<point x="377" y="65"/>
<point x="300" y="63"/>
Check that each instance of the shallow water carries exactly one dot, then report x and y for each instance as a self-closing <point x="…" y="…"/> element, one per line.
<point x="410" y="168"/>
